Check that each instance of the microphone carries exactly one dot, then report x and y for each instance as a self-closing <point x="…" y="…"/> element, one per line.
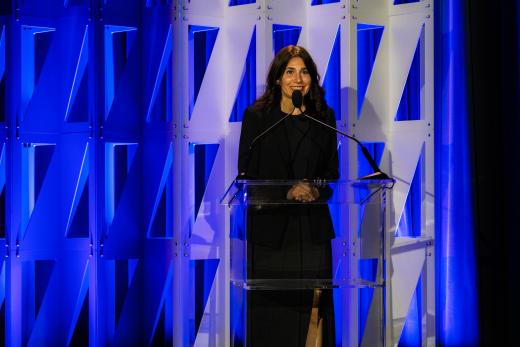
<point x="296" y="102"/>
<point x="297" y="99"/>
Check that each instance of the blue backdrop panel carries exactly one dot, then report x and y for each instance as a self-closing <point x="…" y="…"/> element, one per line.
<point x="87" y="229"/>
<point x="457" y="320"/>
<point x="157" y="179"/>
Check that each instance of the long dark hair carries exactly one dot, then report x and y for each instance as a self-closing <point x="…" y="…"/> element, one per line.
<point x="314" y="99"/>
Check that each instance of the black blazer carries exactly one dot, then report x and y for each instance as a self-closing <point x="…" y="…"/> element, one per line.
<point x="270" y="159"/>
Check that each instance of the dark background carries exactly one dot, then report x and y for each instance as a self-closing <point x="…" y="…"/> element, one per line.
<point x="492" y="47"/>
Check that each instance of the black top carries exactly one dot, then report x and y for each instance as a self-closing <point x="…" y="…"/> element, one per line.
<point x="276" y="155"/>
<point x="299" y="144"/>
<point x="296" y="149"/>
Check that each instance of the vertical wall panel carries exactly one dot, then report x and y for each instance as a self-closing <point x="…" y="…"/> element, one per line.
<point x="4" y="208"/>
<point x="159" y="175"/>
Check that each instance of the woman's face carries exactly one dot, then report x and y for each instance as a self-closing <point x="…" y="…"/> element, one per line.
<point x="295" y="77"/>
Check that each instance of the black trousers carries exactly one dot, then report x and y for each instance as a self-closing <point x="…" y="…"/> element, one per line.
<point x="281" y="317"/>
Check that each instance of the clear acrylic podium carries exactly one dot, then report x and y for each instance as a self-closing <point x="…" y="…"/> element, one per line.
<point x="357" y="276"/>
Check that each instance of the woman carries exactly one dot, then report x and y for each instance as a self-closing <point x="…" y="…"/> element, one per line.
<point x="290" y="242"/>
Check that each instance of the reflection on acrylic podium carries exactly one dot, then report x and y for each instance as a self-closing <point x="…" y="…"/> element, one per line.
<point x="307" y="273"/>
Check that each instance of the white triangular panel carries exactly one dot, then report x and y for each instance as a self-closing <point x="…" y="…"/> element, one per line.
<point x="211" y="321"/>
<point x="321" y="36"/>
<point x="209" y="222"/>
<point x="167" y="51"/>
<point x="79" y="73"/>
<point x="374" y="123"/>
<point x="402" y="155"/>
<point x="225" y="68"/>
<point x="406" y="267"/>
<point x="403" y="37"/>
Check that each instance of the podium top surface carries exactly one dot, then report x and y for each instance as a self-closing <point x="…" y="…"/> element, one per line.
<point x="274" y="192"/>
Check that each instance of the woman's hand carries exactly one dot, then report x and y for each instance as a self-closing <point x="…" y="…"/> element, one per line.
<point x="303" y="192"/>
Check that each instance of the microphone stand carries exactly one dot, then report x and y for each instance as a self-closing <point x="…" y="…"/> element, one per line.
<point x="377" y="174"/>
